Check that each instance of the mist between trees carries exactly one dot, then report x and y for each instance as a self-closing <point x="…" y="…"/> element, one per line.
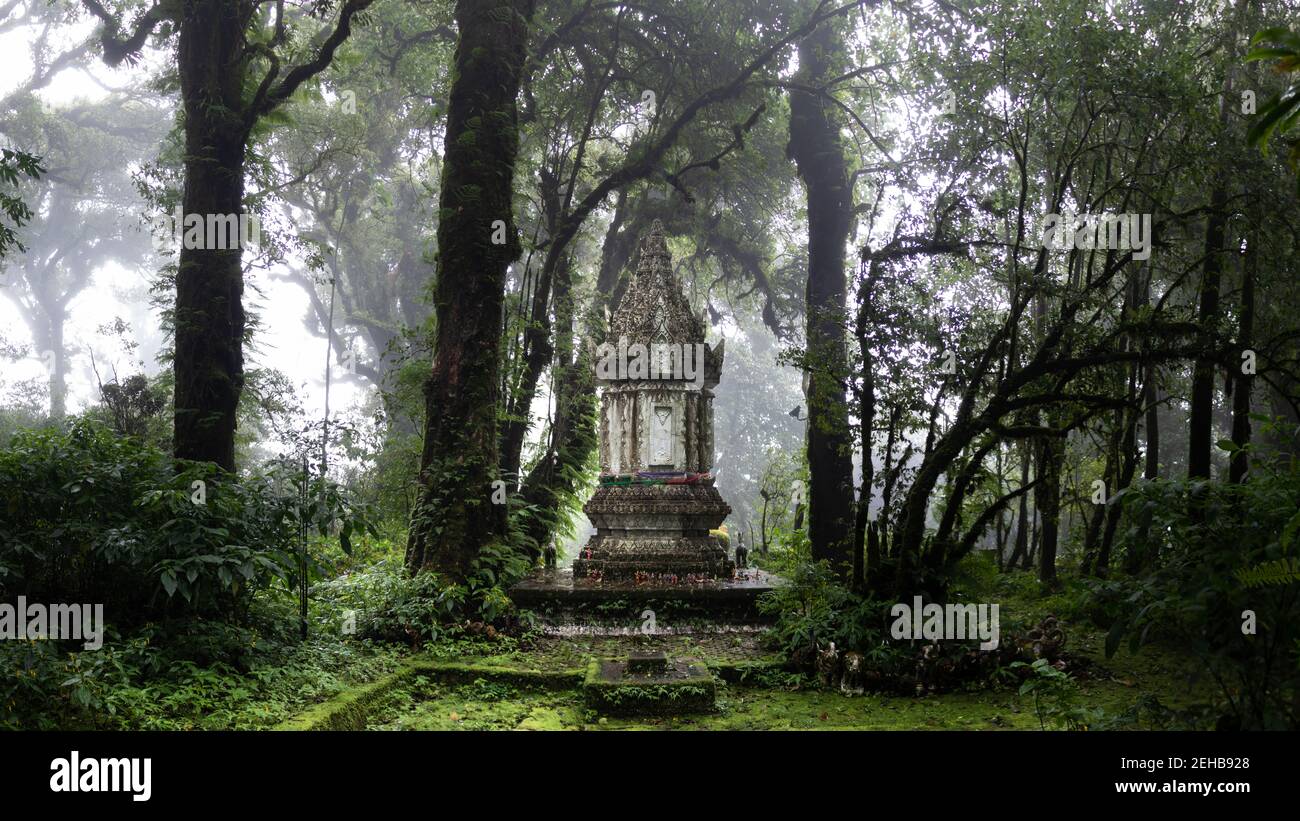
<point x="969" y="260"/>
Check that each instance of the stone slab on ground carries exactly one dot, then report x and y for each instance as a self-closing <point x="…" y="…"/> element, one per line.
<point x="682" y="686"/>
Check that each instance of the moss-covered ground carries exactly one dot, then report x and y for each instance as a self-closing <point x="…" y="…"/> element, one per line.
<point x="535" y="683"/>
<point x="774" y="702"/>
<point x="573" y="653"/>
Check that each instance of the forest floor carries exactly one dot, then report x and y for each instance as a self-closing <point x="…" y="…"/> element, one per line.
<point x="771" y="701"/>
<point x="535" y="684"/>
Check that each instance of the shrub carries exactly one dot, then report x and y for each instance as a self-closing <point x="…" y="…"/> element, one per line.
<point x="90" y="516"/>
<point x="814" y="609"/>
<point x="1197" y="537"/>
<point x="387" y="603"/>
<point x="188" y="674"/>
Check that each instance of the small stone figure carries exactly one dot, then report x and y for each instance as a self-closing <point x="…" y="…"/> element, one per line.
<point x="851" y="681"/>
<point x="1046" y="640"/>
<point x="926" y="662"/>
<point x="550" y="553"/>
<point x="828" y="665"/>
<point x="742" y="553"/>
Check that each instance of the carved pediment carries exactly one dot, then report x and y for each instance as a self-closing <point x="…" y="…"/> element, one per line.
<point x="653" y="308"/>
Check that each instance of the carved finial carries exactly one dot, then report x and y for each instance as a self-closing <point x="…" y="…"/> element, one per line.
<point x="653" y="244"/>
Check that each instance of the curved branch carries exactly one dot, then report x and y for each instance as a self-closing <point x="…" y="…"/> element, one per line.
<point x="118" y="49"/>
<point x="302" y="73"/>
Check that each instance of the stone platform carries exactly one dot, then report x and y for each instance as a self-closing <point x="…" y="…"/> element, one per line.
<point x="619" y="606"/>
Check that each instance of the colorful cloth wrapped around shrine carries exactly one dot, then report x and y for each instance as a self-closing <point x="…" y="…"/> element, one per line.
<point x="655" y="477"/>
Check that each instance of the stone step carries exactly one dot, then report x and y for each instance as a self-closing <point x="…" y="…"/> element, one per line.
<point x="568" y="606"/>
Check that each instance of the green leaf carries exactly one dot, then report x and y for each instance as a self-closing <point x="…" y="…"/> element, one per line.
<point x="1114" y="636"/>
<point x="1276" y="110"/>
<point x="1289" y="532"/>
<point x="1267" y="54"/>
<point x="1277" y="34"/>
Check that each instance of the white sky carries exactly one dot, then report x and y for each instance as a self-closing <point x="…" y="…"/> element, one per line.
<point x="282" y="343"/>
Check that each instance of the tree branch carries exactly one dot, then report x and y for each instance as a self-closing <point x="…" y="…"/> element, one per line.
<point x="118" y="49"/>
<point x="268" y="99"/>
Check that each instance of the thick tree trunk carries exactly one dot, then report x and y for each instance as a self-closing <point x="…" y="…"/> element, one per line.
<point x="59" y="374"/>
<point x="1033" y="536"/>
<point x="615" y="251"/>
<point x="1092" y="536"/>
<point x="858" y="573"/>
<point x="950" y="523"/>
<point x="535" y="351"/>
<point x="818" y="154"/>
<point x="209" y="316"/>
<point x="1021" y="549"/>
<point x="1127" y="467"/>
<point x="455" y="516"/>
<point x="48" y="328"/>
<point x="909" y="538"/>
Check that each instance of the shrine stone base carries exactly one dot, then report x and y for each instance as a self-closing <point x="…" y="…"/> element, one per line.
<point x="655" y="533"/>
<point x="566" y="605"/>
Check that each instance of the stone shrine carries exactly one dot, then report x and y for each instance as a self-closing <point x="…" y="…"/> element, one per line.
<point x="656" y="502"/>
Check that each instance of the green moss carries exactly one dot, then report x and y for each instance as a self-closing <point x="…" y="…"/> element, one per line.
<point x="740" y="672"/>
<point x="443" y="705"/>
<point x="460" y="672"/>
<point x="542" y="684"/>
<point x="350" y="709"/>
<point x="648" y="696"/>
<point x="543" y="718"/>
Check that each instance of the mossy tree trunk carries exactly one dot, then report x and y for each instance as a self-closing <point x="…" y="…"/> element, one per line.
<point x="555" y="480"/>
<point x="221" y="45"/>
<point x="1048" y="498"/>
<point x="1242" y="383"/>
<point x="455" y="516"/>
<point x="818" y="153"/>
<point x="209" y="316"/>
